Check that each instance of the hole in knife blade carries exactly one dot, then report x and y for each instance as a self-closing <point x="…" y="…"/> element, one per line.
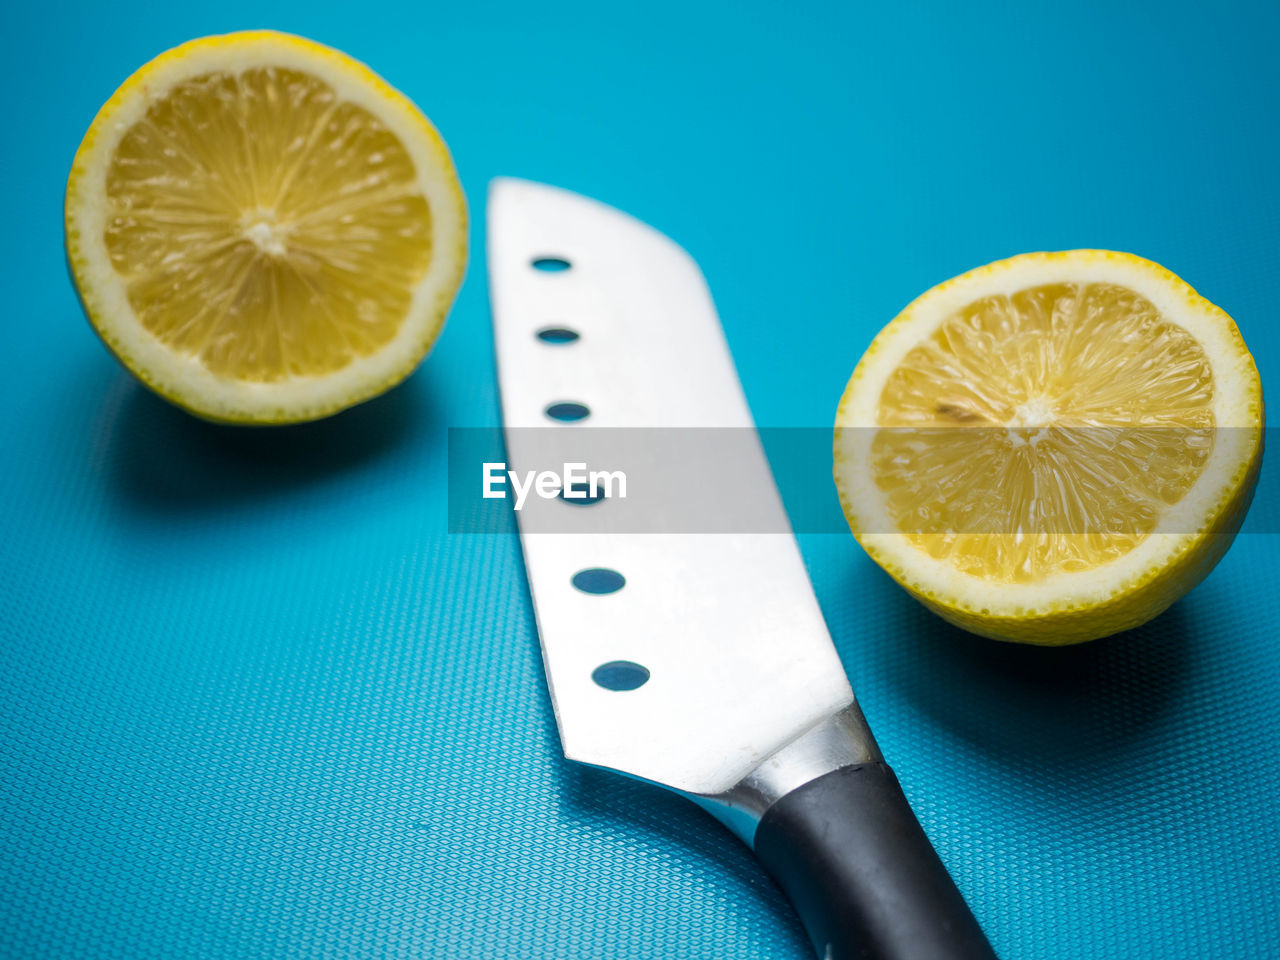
<point x="599" y="580"/>
<point x="583" y="493"/>
<point x="620" y="675"/>
<point x="557" y="335"/>
<point x="567" y="411"/>
<point x="551" y="264"/>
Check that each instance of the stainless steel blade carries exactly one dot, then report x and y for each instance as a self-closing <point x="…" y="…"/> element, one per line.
<point x="740" y="660"/>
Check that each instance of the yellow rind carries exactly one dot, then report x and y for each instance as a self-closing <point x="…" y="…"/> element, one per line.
<point x="1132" y="603"/>
<point x="172" y="389"/>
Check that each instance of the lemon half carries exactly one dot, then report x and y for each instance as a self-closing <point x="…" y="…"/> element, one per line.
<point x="264" y="231"/>
<point x="1051" y="448"/>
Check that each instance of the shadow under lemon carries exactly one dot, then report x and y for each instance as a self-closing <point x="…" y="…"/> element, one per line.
<point x="1053" y="709"/>
<point x="165" y="459"/>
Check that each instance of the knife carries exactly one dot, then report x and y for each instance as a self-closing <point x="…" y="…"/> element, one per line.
<point x="696" y="661"/>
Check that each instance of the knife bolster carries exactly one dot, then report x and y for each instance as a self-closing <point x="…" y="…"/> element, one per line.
<point x="842" y="739"/>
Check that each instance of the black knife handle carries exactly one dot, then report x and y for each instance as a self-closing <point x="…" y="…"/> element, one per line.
<point x="867" y="884"/>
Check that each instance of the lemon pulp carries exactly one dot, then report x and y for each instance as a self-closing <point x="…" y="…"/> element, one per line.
<point x="264" y="226"/>
<point x="1044" y="431"/>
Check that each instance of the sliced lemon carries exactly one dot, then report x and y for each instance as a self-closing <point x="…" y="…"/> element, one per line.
<point x="263" y="230"/>
<point x="1051" y="448"/>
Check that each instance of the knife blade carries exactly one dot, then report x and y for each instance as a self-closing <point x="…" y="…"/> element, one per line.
<point x="699" y="662"/>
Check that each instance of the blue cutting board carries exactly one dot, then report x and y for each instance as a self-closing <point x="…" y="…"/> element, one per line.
<point x="255" y="701"/>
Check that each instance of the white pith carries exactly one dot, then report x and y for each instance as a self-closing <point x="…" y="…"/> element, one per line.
<point x="1236" y="404"/>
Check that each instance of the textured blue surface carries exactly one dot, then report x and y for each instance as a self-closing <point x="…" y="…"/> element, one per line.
<point x="256" y="702"/>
